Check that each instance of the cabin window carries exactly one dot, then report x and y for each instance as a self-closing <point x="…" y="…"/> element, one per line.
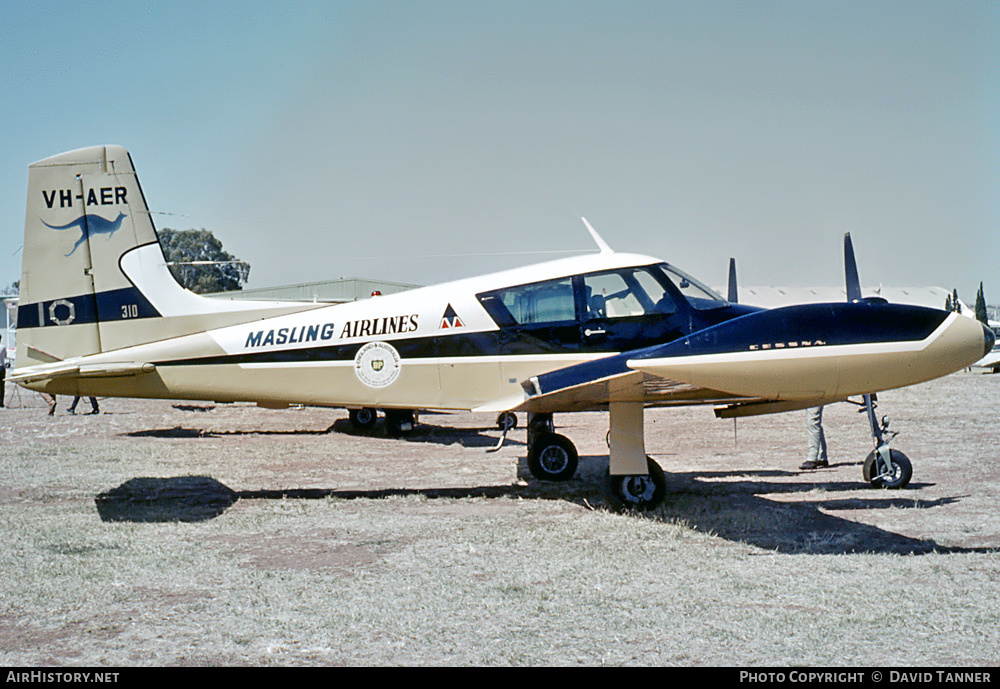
<point x="541" y="302"/>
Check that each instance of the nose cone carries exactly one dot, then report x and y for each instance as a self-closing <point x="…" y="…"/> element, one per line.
<point x="965" y="341"/>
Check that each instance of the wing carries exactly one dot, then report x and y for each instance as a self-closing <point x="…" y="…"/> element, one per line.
<point x="592" y="385"/>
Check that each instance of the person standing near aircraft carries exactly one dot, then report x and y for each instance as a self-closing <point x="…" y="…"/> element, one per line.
<point x="3" y="372"/>
<point x="51" y="401"/>
<point x="816" y="457"/>
<point x="93" y="405"/>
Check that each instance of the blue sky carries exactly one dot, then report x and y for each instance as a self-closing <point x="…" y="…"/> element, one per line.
<point x="422" y="142"/>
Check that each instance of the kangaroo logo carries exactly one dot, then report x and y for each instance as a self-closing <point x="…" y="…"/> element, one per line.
<point x="88" y="225"/>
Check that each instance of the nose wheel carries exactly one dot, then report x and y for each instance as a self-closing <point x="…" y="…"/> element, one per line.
<point x="884" y="468"/>
<point x="895" y="473"/>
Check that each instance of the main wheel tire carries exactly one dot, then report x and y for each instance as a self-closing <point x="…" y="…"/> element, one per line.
<point x="363" y="418"/>
<point x="399" y="421"/>
<point x="639" y="492"/>
<point x="552" y="457"/>
<point x="901" y="475"/>
<point x="507" y="420"/>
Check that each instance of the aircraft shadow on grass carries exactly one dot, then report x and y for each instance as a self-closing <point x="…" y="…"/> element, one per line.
<point x="733" y="509"/>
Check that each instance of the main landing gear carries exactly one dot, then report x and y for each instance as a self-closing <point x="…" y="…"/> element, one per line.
<point x="551" y="457"/>
<point x="634" y="480"/>
<point x="637" y="491"/>
<point x="397" y="421"/>
<point x="362" y="419"/>
<point x="884" y="468"/>
<point x="506" y="420"/>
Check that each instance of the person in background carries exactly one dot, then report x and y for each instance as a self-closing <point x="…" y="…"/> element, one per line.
<point x="51" y="400"/>
<point x="93" y="405"/>
<point x="816" y="456"/>
<point x="3" y="372"/>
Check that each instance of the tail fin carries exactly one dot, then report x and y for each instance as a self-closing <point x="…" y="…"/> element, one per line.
<point x="93" y="274"/>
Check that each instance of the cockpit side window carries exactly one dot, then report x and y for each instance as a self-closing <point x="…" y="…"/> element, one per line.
<point x="698" y="295"/>
<point x="542" y="302"/>
<point x="625" y="293"/>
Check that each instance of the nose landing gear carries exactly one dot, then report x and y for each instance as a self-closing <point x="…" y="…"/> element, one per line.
<point x="884" y="468"/>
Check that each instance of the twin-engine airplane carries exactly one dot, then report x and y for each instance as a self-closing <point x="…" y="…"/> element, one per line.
<point x="100" y="314"/>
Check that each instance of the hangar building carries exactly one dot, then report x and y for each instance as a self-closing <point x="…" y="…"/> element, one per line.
<point x="332" y="291"/>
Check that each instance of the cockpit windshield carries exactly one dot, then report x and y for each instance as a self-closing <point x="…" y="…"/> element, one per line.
<point x="699" y="295"/>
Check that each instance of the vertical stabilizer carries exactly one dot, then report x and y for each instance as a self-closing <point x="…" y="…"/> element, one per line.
<point x="93" y="275"/>
<point x="84" y="209"/>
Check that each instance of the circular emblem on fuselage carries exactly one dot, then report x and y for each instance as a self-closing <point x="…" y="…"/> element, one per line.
<point x="377" y="364"/>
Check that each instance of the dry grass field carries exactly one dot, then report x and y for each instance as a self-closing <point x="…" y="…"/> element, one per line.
<point x="165" y="533"/>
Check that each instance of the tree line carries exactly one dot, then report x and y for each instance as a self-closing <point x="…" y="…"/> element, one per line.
<point x="199" y="263"/>
<point x="952" y="303"/>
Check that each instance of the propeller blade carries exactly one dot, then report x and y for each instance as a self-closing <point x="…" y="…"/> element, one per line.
<point x="733" y="295"/>
<point x="851" y="270"/>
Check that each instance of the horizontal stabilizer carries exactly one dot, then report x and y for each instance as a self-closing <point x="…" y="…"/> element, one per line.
<point x="38" y="354"/>
<point x="44" y="372"/>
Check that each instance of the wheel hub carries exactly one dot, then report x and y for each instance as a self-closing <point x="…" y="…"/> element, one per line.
<point x="553" y="459"/>
<point x="638" y="489"/>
